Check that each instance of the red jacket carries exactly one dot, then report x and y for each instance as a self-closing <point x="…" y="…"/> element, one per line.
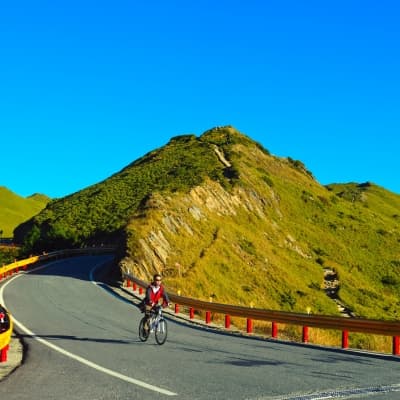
<point x="152" y="298"/>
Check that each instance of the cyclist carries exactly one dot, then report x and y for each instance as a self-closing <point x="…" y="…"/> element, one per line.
<point x="154" y="293"/>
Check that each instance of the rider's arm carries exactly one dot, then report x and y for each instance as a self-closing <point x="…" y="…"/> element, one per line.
<point x="147" y="297"/>
<point x="166" y="298"/>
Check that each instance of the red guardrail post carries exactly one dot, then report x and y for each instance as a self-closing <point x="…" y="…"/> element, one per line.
<point x="191" y="312"/>
<point x="140" y="290"/>
<point x="134" y="286"/>
<point x="3" y="354"/>
<point x="396" y="345"/>
<point x="305" y="334"/>
<point x="227" y="321"/>
<point x="345" y="339"/>
<point x="208" y="317"/>
<point x="249" y="325"/>
<point x="176" y="308"/>
<point x="128" y="283"/>
<point x="274" y="330"/>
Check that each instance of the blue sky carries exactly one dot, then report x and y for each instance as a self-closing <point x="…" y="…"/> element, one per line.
<point x="87" y="87"/>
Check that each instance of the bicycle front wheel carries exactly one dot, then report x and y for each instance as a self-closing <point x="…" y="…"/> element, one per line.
<point x="144" y="330"/>
<point x="161" y="331"/>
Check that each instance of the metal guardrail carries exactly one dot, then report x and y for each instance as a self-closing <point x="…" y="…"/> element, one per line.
<point x="346" y="325"/>
<point x="9" y="269"/>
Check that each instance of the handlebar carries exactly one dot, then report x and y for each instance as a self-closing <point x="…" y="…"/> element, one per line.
<point x="156" y="309"/>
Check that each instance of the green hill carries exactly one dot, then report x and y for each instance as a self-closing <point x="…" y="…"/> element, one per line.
<point x="221" y="217"/>
<point x="15" y="209"/>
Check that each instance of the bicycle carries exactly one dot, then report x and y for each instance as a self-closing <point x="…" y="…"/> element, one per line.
<point x="155" y="323"/>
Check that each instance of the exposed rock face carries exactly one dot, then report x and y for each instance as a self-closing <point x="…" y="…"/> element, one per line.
<point x="221" y="157"/>
<point x="214" y="198"/>
<point x="198" y="205"/>
<point x="331" y="287"/>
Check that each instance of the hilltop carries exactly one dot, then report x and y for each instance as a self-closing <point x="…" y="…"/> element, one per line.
<point x="15" y="209"/>
<point x="221" y="217"/>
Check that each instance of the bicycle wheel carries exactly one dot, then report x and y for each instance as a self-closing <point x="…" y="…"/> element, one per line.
<point x="161" y="331"/>
<point x="144" y="331"/>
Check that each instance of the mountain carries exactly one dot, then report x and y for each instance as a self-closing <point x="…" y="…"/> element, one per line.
<point x="15" y="209"/>
<point x="222" y="218"/>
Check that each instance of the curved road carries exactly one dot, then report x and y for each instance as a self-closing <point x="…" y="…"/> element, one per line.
<point x="82" y="343"/>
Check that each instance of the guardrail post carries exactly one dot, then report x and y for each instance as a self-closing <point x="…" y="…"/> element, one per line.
<point x="396" y="345"/>
<point x="140" y="290"/>
<point x="176" y="308"/>
<point x="128" y="283"/>
<point x="3" y="353"/>
<point x="345" y="339"/>
<point x="305" y="334"/>
<point x="191" y="312"/>
<point x="249" y="325"/>
<point x="134" y="286"/>
<point x="274" y="330"/>
<point x="208" y="317"/>
<point x="227" y="321"/>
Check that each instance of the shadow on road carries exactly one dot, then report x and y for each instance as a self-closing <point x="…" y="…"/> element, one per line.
<point x="77" y="338"/>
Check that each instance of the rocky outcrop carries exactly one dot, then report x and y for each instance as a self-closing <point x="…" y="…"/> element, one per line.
<point x="331" y="287"/>
<point x="200" y="204"/>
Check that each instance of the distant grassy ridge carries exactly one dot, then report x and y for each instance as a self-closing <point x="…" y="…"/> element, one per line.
<point x="266" y="240"/>
<point x="15" y="209"/>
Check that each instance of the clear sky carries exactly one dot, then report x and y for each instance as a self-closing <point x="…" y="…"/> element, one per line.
<point x="87" y="87"/>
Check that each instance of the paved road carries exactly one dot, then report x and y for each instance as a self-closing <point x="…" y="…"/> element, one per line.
<point x="82" y="344"/>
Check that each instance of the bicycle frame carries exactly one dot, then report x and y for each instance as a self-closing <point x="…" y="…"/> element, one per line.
<point x="156" y="323"/>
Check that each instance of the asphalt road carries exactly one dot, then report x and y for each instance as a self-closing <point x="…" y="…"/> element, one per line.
<point x="82" y="343"/>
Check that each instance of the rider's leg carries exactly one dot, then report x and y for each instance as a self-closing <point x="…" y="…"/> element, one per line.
<point x="147" y="317"/>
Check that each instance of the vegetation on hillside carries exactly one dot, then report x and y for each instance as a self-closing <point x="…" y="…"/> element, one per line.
<point x="8" y="254"/>
<point x="221" y="217"/>
<point x="99" y="213"/>
<point x="279" y="261"/>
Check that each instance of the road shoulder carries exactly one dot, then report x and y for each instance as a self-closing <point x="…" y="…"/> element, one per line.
<point x="15" y="356"/>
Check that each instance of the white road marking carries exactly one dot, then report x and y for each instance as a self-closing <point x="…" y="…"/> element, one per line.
<point x="78" y="358"/>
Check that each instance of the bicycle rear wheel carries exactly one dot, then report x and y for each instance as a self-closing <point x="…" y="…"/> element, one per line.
<point x="144" y="330"/>
<point x="161" y="331"/>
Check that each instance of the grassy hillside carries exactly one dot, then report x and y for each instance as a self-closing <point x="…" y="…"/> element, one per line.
<point x="15" y="209"/>
<point x="100" y="213"/>
<point x="221" y="217"/>
<point x="272" y="248"/>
